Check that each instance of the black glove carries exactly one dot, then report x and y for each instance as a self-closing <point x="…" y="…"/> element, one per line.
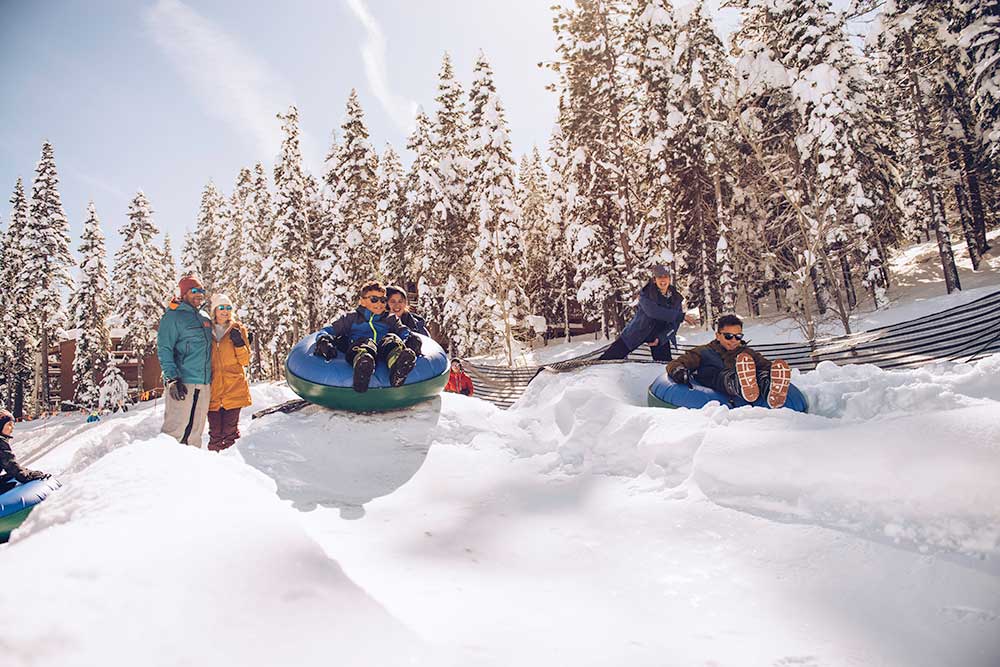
<point x="681" y="376"/>
<point x="325" y="347"/>
<point x="414" y="343"/>
<point x="32" y="475"/>
<point x="178" y="390"/>
<point x="465" y="392"/>
<point x="236" y="336"/>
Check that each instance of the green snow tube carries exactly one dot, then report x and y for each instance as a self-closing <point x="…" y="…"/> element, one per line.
<point x="328" y="383"/>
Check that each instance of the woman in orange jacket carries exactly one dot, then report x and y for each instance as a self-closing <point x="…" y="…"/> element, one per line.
<point x="230" y="389"/>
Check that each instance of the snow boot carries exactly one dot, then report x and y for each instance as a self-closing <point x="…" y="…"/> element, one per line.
<point x="400" y="366"/>
<point x="781" y="380"/>
<point x="746" y="372"/>
<point x="364" y="366"/>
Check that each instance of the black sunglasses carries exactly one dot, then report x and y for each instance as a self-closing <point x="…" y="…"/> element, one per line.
<point x="729" y="336"/>
<point x="377" y="299"/>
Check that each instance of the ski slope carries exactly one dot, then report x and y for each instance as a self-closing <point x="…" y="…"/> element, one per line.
<point x="579" y="527"/>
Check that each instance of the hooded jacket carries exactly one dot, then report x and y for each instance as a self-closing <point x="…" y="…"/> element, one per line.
<point x="230" y="388"/>
<point x="363" y="323"/>
<point x="184" y="344"/>
<point x="659" y="315"/>
<point x="715" y="356"/>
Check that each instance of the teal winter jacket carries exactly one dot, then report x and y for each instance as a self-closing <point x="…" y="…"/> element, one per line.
<point x="184" y="344"/>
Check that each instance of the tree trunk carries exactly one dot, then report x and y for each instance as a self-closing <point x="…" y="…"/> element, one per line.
<point x="964" y="207"/>
<point x="817" y="279"/>
<point x="943" y="234"/>
<point x="852" y="297"/>
<point x="971" y="173"/>
<point x="565" y="300"/>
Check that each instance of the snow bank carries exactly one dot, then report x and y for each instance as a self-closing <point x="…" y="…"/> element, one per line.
<point x="158" y="554"/>
<point x="912" y="456"/>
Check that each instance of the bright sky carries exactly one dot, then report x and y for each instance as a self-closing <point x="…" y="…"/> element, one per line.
<point x="163" y="95"/>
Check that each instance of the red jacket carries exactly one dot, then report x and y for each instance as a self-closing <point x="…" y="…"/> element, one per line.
<point x="459" y="383"/>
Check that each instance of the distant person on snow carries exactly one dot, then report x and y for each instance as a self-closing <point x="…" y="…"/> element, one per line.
<point x="399" y="306"/>
<point x="730" y="367"/>
<point x="10" y="471"/>
<point x="656" y="320"/>
<point x="184" y="348"/>
<point x="230" y="389"/>
<point x="366" y="335"/>
<point x="458" y="381"/>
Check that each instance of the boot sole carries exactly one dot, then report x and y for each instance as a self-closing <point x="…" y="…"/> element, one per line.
<point x="781" y="380"/>
<point x="746" y="373"/>
<point x="404" y="364"/>
<point x="363" y="370"/>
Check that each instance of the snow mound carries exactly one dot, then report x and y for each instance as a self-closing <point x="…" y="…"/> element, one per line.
<point x="909" y="456"/>
<point x="158" y="554"/>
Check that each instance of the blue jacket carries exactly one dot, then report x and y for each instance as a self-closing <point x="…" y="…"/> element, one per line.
<point x="659" y="315"/>
<point x="363" y="323"/>
<point x="184" y="344"/>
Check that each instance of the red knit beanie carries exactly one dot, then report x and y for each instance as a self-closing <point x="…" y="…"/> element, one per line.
<point x="186" y="283"/>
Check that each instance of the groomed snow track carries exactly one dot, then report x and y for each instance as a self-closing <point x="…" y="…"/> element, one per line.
<point x="961" y="334"/>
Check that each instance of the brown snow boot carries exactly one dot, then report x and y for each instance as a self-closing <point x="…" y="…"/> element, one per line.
<point x="781" y="380"/>
<point x="746" y="372"/>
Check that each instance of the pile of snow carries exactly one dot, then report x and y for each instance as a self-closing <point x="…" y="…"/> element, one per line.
<point x="158" y="554"/>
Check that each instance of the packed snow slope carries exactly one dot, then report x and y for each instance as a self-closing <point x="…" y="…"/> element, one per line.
<point x="579" y="527"/>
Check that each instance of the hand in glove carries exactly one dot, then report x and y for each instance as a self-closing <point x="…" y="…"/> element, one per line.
<point x="32" y="475"/>
<point x="178" y="390"/>
<point x="236" y="336"/>
<point x="681" y="376"/>
<point x="325" y="348"/>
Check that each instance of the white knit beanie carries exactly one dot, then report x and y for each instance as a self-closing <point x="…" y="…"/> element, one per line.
<point x="220" y="300"/>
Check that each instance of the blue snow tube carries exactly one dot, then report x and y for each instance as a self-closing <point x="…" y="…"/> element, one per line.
<point x="665" y="393"/>
<point x="17" y="503"/>
<point x="329" y="383"/>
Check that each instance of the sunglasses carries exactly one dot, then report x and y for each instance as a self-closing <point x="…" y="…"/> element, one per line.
<point x="377" y="299"/>
<point x="223" y="307"/>
<point x="729" y="336"/>
<point x="197" y="290"/>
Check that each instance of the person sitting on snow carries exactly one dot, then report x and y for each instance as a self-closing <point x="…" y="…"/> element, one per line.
<point x="656" y="320"/>
<point x="730" y="367"/>
<point x="458" y="381"/>
<point x="367" y="335"/>
<point x="10" y="471"/>
<point x="399" y="306"/>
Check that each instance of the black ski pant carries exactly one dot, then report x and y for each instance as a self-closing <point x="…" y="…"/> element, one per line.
<point x="619" y="350"/>
<point x="388" y="347"/>
<point x="724" y="380"/>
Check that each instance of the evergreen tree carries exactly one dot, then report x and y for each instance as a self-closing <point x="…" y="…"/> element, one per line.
<point x="560" y="267"/>
<point x="138" y="278"/>
<point x="91" y="307"/>
<point x="423" y="193"/>
<point x="259" y="304"/>
<point x="190" y="255"/>
<point x="19" y="332"/>
<point x="47" y="261"/>
<point x="114" y="387"/>
<point x="391" y="218"/>
<point x="284" y="271"/>
<point x="233" y="247"/>
<point x="980" y="38"/>
<point x="211" y="230"/>
<point x="533" y="199"/>
<point x="168" y="271"/>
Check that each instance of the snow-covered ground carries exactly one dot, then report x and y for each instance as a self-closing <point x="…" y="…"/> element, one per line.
<point x="580" y="527"/>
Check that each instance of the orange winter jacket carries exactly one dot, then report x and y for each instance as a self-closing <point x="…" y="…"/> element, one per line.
<point x="229" y="383"/>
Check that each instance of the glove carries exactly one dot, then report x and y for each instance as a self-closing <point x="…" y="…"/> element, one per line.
<point x="681" y="376"/>
<point x="178" y="390"/>
<point x="32" y="475"/>
<point x="465" y="392"/>
<point x="236" y="336"/>
<point x="325" y="348"/>
<point x="414" y="343"/>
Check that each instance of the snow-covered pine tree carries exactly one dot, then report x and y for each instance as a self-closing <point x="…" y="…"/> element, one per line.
<point x="980" y="39"/>
<point x="90" y="306"/>
<point x="258" y="307"/>
<point x="284" y="270"/>
<point x="595" y="85"/>
<point x="231" y="259"/>
<point x="190" y="255"/>
<point x="320" y="222"/>
<point x="423" y="193"/>
<point x="211" y="229"/>
<point x="19" y="332"/>
<point x="496" y="302"/>
<point x="114" y="388"/>
<point x="909" y="42"/>
<point x="560" y="267"/>
<point x="355" y="179"/>
<point x="391" y="218"/>
<point x="533" y="199"/>
<point x="47" y="262"/>
<point x="168" y="271"/>
<point x="137" y="277"/>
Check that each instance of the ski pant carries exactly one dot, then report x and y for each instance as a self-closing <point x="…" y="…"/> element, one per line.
<point x="619" y="350"/>
<point x="388" y="348"/>
<point x="185" y="420"/>
<point x="223" y="428"/>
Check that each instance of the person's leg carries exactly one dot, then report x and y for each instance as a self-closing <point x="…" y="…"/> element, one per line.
<point x="722" y="380"/>
<point x="231" y="427"/>
<point x="661" y="352"/>
<point x="780" y="379"/>
<point x="746" y="372"/>
<point x="361" y="355"/>
<point x="215" y="429"/>
<point x="199" y="413"/>
<point x="176" y="414"/>
<point x="617" y="350"/>
<point x="399" y="358"/>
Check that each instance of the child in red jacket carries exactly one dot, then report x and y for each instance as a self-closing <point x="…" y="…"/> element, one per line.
<point x="458" y="381"/>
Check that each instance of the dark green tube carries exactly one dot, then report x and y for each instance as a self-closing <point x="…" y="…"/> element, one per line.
<point x="373" y="400"/>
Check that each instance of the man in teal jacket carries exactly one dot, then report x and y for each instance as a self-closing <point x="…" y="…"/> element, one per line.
<point x="184" y="346"/>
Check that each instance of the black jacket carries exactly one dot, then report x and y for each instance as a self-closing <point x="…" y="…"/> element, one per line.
<point x="414" y="322"/>
<point x="8" y="464"/>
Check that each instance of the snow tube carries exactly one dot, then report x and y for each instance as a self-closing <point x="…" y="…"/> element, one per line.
<point x="17" y="503"/>
<point x="328" y="383"/>
<point x="665" y="393"/>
